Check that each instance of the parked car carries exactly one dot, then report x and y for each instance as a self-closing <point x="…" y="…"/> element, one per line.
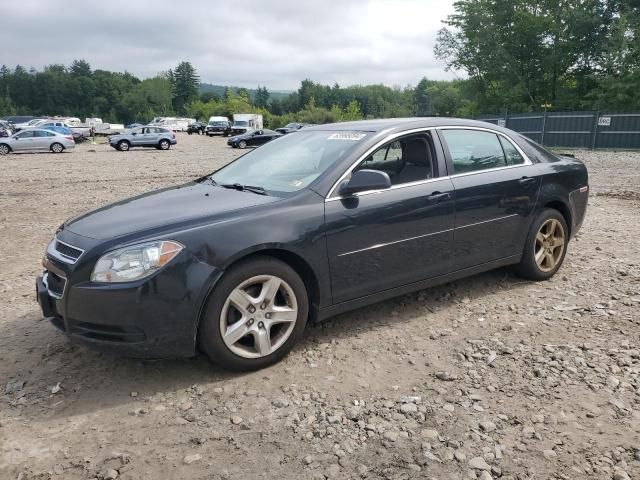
<point x="16" y="119"/>
<point x="78" y="137"/>
<point x="253" y="138"/>
<point x="329" y="219"/>
<point x="218" y="125"/>
<point x="197" y="127"/>
<point x="292" y="127"/>
<point x="34" y="140"/>
<point x="28" y="124"/>
<point x="158" y="137"/>
<point x="48" y="124"/>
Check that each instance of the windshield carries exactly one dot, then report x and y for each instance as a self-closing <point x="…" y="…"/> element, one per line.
<point x="241" y="123"/>
<point x="218" y="123"/>
<point x="289" y="163"/>
<point x="291" y="125"/>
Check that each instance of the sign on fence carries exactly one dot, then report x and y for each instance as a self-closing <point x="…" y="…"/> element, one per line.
<point x="604" y="121"/>
<point x="502" y="122"/>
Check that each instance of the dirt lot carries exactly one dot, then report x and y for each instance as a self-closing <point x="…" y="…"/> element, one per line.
<point x="484" y="378"/>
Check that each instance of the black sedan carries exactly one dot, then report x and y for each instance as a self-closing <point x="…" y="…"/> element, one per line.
<point x="292" y="127"/>
<point x="197" y="128"/>
<point x="310" y="225"/>
<point x="253" y="138"/>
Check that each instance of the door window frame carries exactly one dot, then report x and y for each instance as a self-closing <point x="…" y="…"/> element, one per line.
<point x="449" y="160"/>
<point x="438" y="163"/>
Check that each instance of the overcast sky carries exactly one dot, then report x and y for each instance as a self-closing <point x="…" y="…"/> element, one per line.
<point x="276" y="43"/>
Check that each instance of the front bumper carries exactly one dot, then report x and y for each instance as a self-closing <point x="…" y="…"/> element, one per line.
<point x="156" y="317"/>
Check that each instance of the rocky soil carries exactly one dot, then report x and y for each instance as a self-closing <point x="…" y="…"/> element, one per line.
<point x="488" y="377"/>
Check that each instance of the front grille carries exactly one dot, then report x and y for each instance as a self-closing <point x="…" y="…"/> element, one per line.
<point x="72" y="253"/>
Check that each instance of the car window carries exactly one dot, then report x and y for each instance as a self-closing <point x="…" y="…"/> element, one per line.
<point x="42" y="133"/>
<point x="473" y="150"/>
<point x="406" y="160"/>
<point x="512" y="155"/>
<point x="25" y="134"/>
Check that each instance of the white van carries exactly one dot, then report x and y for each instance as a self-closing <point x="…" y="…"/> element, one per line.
<point x="246" y="121"/>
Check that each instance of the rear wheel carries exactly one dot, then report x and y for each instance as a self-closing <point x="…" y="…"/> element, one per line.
<point x="164" y="144"/>
<point x="4" y="149"/>
<point x="255" y="315"/>
<point x="57" y="147"/>
<point x="123" y="145"/>
<point x="546" y="246"/>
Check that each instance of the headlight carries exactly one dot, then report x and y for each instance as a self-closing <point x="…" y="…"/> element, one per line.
<point x="134" y="262"/>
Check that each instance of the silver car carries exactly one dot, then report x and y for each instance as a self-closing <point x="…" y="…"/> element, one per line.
<point x="146" y="136"/>
<point x="36" y="140"/>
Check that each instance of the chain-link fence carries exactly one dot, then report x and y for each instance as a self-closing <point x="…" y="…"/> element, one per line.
<point x="574" y="129"/>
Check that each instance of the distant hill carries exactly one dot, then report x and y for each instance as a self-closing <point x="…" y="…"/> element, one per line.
<point x="219" y="91"/>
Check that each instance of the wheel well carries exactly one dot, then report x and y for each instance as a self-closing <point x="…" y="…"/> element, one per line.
<point x="7" y="145"/>
<point x="563" y="209"/>
<point x="300" y="266"/>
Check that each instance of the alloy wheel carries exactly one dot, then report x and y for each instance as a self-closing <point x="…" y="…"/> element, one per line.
<point x="4" y="149"/>
<point x="549" y="247"/>
<point x="56" y="148"/>
<point x="164" y="145"/>
<point x="258" y="316"/>
<point x="242" y="144"/>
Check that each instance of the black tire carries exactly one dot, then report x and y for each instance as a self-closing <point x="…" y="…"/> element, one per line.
<point x="189" y="133"/>
<point x="242" y="144"/>
<point x="209" y="333"/>
<point x="4" y="149"/>
<point x="528" y="267"/>
<point x="164" y="144"/>
<point x="124" y="146"/>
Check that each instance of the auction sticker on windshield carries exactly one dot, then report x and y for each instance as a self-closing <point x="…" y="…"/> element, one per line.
<point x="346" y="136"/>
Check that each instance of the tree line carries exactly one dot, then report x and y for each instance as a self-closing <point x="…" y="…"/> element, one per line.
<point x="518" y="56"/>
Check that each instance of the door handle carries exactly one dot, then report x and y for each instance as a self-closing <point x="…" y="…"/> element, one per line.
<point x="437" y="197"/>
<point x="527" y="181"/>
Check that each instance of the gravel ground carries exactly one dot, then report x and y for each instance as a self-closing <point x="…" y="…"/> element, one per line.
<point x="488" y="377"/>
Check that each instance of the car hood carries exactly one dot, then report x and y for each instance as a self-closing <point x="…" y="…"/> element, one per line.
<point x="169" y="208"/>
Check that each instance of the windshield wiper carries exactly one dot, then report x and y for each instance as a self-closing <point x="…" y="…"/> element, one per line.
<point x="245" y="188"/>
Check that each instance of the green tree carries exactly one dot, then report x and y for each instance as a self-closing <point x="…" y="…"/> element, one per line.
<point x="184" y="81"/>
<point x="262" y="97"/>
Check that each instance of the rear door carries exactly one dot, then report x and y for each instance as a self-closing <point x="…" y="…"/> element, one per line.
<point x="496" y="188"/>
<point x="42" y="140"/>
<point x="388" y="238"/>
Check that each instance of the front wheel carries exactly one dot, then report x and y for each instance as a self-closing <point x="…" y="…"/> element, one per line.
<point x="255" y="315"/>
<point x="123" y="145"/>
<point x="164" y="144"/>
<point x="242" y="144"/>
<point x="546" y="246"/>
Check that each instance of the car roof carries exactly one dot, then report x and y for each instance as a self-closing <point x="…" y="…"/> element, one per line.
<point x="401" y="124"/>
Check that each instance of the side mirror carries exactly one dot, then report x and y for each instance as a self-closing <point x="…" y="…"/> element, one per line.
<point x="363" y="180"/>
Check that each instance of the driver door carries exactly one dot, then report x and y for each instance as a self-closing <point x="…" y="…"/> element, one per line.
<point x="389" y="238"/>
<point x="24" y="141"/>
